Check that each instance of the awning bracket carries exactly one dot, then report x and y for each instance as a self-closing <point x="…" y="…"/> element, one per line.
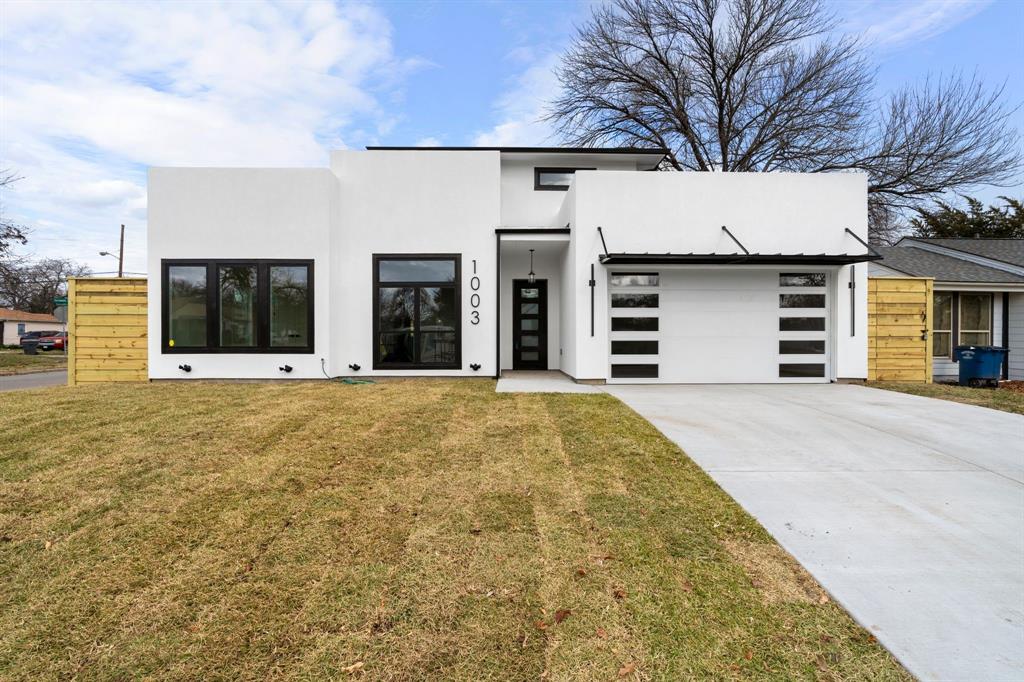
<point x="867" y="246"/>
<point x="603" y="245"/>
<point x="733" y="237"/>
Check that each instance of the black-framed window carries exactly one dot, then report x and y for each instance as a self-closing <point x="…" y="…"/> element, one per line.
<point x="416" y="311"/>
<point x="237" y="306"/>
<point x="554" y="179"/>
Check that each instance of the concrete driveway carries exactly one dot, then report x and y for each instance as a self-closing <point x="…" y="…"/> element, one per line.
<point x="909" y="510"/>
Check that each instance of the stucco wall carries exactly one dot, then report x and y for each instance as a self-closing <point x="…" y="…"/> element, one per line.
<point x="684" y="212"/>
<point x="522" y="206"/>
<point x="414" y="202"/>
<point x="241" y="213"/>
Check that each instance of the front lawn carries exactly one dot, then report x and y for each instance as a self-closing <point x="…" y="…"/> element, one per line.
<point x="16" y="362"/>
<point x="1008" y="397"/>
<point x="413" y="529"/>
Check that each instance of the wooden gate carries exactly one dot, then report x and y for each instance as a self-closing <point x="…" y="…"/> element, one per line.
<point x="900" y="329"/>
<point x="107" y="330"/>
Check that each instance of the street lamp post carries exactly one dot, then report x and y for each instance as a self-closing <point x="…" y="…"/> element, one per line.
<point x="120" y="255"/>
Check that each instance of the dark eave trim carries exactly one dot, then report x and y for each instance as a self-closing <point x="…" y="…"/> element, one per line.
<point x="531" y="230"/>
<point x="530" y="150"/>
<point x="736" y="259"/>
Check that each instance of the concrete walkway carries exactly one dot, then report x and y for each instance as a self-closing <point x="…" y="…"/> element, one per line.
<point x="33" y="380"/>
<point x="526" y="381"/>
<point x="909" y="510"/>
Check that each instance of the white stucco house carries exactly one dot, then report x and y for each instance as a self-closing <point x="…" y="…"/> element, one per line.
<point x="472" y="261"/>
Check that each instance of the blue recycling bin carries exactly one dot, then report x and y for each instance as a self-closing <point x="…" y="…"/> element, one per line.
<point x="980" y="364"/>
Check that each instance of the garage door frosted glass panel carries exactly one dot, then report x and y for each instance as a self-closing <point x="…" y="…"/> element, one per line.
<point x="807" y="279"/>
<point x="801" y="324"/>
<point x="719" y="326"/>
<point x="797" y="347"/>
<point x="634" y="324"/>
<point x="634" y="371"/>
<point x="634" y="279"/>
<point x="801" y="371"/>
<point x="801" y="300"/>
<point x="634" y="300"/>
<point x="634" y="347"/>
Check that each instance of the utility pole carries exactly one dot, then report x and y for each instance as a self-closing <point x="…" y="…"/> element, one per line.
<point x="120" y="255"/>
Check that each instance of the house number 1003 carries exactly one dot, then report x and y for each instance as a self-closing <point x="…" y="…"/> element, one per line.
<point x="474" y="299"/>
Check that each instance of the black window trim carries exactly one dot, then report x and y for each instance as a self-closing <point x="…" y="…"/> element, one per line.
<point x="213" y="346"/>
<point x="553" y="188"/>
<point x="377" y="284"/>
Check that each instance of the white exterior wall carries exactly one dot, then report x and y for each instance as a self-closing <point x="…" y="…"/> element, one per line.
<point x="684" y="212"/>
<point x="10" y="327"/>
<point x="1016" y="336"/>
<point x="522" y="206"/>
<point x="241" y="213"/>
<point x="414" y="202"/>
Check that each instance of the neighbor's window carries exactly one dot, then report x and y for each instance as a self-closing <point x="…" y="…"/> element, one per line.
<point x="186" y="306"/>
<point x="554" y="179"/>
<point x="257" y="306"/>
<point x="942" y="323"/>
<point x="417" y="312"/>
<point x="975" y="319"/>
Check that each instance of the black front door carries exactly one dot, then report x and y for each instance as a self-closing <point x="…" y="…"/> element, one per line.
<point x="530" y="320"/>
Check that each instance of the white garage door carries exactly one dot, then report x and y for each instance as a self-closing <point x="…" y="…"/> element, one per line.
<point x="728" y="325"/>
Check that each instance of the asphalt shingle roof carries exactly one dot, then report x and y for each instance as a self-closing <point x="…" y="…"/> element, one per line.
<point x="18" y="316"/>
<point x="1005" y="250"/>
<point x="920" y="263"/>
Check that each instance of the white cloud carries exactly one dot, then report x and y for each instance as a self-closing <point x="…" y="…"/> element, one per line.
<point x="897" y="23"/>
<point x="521" y="109"/>
<point x="95" y="92"/>
<point x="428" y="142"/>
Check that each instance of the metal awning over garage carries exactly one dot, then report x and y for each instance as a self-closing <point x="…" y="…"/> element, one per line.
<point x="745" y="258"/>
<point x="736" y="258"/>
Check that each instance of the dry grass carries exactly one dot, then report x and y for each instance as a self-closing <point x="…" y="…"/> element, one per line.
<point x="1006" y="398"/>
<point x="16" y="362"/>
<point x="397" y="531"/>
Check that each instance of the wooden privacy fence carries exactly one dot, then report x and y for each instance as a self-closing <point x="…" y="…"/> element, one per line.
<point x="106" y="330"/>
<point x="900" y="329"/>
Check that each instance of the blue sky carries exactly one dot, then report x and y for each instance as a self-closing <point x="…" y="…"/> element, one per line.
<point x="93" y="94"/>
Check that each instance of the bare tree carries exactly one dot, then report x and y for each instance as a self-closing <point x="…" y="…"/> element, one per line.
<point x="32" y="286"/>
<point x="762" y="85"/>
<point x="10" y="232"/>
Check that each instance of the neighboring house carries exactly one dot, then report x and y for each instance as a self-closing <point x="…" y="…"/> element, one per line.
<point x="418" y="261"/>
<point x="979" y="294"/>
<point x="15" y="323"/>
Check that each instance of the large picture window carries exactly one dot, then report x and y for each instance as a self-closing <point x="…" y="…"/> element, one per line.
<point x="237" y="306"/>
<point x="416" y="312"/>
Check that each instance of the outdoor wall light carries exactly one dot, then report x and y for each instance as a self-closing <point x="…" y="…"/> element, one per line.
<point x="354" y="367"/>
<point x="286" y="368"/>
<point x="531" y="277"/>
<point x="185" y="368"/>
<point x="475" y="366"/>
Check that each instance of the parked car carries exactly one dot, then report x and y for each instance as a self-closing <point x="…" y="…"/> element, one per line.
<point x="53" y="342"/>
<point x="35" y="336"/>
